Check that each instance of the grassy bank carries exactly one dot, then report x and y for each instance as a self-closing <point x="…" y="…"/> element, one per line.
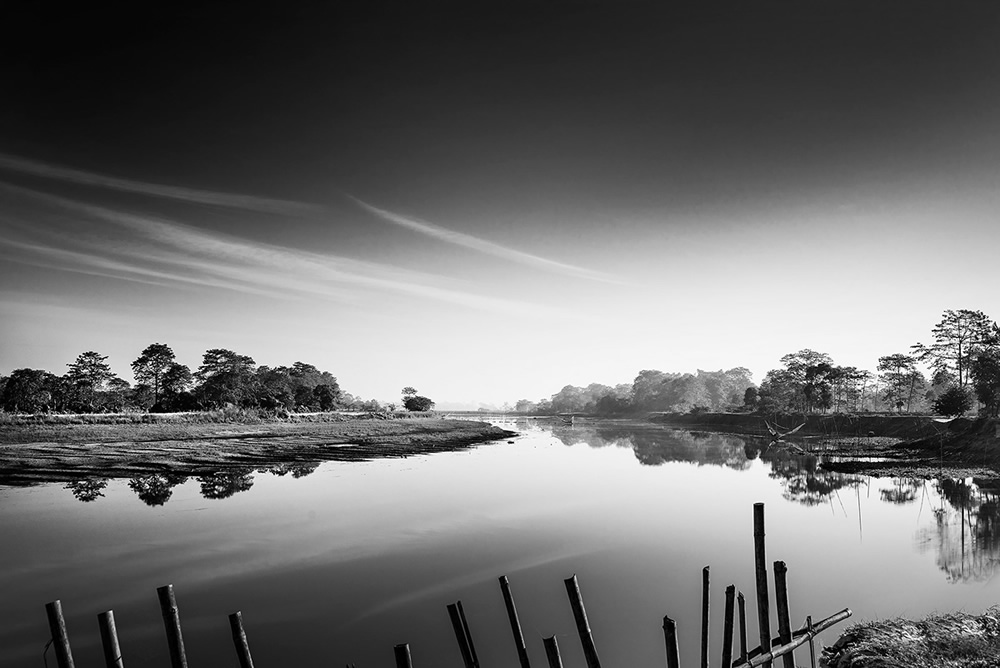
<point x="41" y="450"/>
<point x="955" y="640"/>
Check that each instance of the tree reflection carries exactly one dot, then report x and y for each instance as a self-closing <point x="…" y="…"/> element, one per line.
<point x="904" y="490"/>
<point x="966" y="531"/>
<point x="88" y="490"/>
<point x="157" y="488"/>
<point x="224" y="484"/>
<point x="298" y="470"/>
<point x="803" y="479"/>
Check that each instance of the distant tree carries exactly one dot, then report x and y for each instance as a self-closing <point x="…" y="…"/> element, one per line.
<point x="28" y="391"/>
<point x="751" y="397"/>
<point x="418" y="404"/>
<point x="524" y="406"/>
<point x="88" y="376"/>
<point x="226" y="378"/>
<point x="326" y="396"/>
<point x="954" y="402"/>
<point x="409" y="391"/>
<point x="900" y="375"/>
<point x="150" y="366"/>
<point x="116" y="395"/>
<point x="176" y="379"/>
<point x="986" y="381"/>
<point x="957" y="339"/>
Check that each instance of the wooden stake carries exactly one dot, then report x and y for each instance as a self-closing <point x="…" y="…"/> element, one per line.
<point x="463" y="642"/>
<point x="727" y="631"/>
<point x="800" y="637"/>
<point x="670" y="638"/>
<point x="240" y="639"/>
<point x="742" y="601"/>
<point x="812" y="644"/>
<point x="760" y="566"/>
<point x="582" y="625"/>
<point x="468" y="635"/>
<point x="402" y="653"/>
<point x="552" y="652"/>
<point x="109" y="640"/>
<point x="172" y="625"/>
<point x="705" y="577"/>
<point x="781" y="602"/>
<point x="57" y="627"/>
<point x="515" y="624"/>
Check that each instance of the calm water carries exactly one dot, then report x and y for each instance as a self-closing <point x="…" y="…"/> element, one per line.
<point x="339" y="562"/>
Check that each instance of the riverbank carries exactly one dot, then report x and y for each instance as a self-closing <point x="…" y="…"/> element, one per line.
<point x="879" y="445"/>
<point x="56" y="450"/>
<point x="954" y="640"/>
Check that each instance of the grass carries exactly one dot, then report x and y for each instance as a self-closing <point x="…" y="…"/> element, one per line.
<point x="953" y="640"/>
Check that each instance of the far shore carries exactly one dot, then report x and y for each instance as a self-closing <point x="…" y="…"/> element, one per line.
<point x="64" y="449"/>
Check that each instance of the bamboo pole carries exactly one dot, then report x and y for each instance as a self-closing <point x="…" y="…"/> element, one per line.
<point x="57" y="627"/>
<point x="402" y="653"/>
<point x="812" y="644"/>
<point x="240" y="639"/>
<point x="463" y="643"/>
<point x="552" y="652"/>
<point x="468" y="635"/>
<point x="800" y="637"/>
<point x="515" y="624"/>
<point x="781" y="602"/>
<point x="670" y="638"/>
<point x="109" y="640"/>
<point x="763" y="609"/>
<point x="705" y="578"/>
<point x="742" y="603"/>
<point x="582" y="625"/>
<point x="727" y="631"/>
<point x="172" y="625"/>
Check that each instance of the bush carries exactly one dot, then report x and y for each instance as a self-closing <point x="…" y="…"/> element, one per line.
<point x="418" y="404"/>
<point x="953" y="402"/>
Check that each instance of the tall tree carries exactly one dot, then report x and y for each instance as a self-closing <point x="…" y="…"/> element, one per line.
<point x="226" y="378"/>
<point x="957" y="339"/>
<point x="902" y="380"/>
<point x="150" y="366"/>
<point x="27" y="390"/>
<point x="986" y="380"/>
<point x="88" y="376"/>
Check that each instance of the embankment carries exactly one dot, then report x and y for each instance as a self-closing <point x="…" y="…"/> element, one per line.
<point x="47" y="452"/>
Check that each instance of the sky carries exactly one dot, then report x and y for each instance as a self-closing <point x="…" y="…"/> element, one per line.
<point x="489" y="201"/>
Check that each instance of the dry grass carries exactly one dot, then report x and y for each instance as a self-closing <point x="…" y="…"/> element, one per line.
<point x="954" y="640"/>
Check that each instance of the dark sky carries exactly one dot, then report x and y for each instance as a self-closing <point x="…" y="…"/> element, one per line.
<point x="711" y="183"/>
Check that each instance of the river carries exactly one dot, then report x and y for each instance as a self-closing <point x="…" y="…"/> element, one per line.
<point x="338" y="562"/>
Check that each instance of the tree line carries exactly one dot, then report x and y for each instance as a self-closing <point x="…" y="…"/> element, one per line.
<point x="224" y="378"/>
<point x="963" y="357"/>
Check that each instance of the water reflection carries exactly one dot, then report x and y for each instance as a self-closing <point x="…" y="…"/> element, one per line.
<point x="966" y="531"/>
<point x="225" y="484"/>
<point x="157" y="488"/>
<point x="88" y="490"/>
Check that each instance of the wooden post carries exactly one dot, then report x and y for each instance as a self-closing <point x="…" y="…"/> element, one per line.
<point x="727" y="631"/>
<point x="742" y="601"/>
<point x="240" y="639"/>
<point x="705" y="577"/>
<point x="468" y="635"/>
<point x="582" y="625"/>
<point x="463" y="642"/>
<point x="515" y="624"/>
<point x="812" y="644"/>
<point x="172" y="625"/>
<point x="402" y="653"/>
<point x="109" y="640"/>
<point x="781" y="602"/>
<point x="552" y="652"/>
<point x="760" y="566"/>
<point x="57" y="627"/>
<point x="800" y="638"/>
<point x="670" y="638"/>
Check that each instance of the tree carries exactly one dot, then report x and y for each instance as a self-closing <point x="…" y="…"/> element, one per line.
<point x="986" y="381"/>
<point x="226" y="378"/>
<point x="27" y="391"/>
<point x="150" y="366"/>
<point x="954" y="402"/>
<point x="88" y="376"/>
<point x="418" y="404"/>
<point x="957" y="339"/>
<point x="902" y="380"/>
<point x="409" y="391"/>
<point x="326" y="396"/>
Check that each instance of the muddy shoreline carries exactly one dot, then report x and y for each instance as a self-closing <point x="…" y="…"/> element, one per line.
<point x="35" y="453"/>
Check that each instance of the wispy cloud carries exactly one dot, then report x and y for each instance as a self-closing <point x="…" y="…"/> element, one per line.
<point x="35" y="168"/>
<point x="159" y="249"/>
<point x="484" y="246"/>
